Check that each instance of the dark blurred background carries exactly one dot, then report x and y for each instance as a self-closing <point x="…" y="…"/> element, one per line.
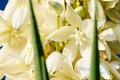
<point x="3" y="4"/>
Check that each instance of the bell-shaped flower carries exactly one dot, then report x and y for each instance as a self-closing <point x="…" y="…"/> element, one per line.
<point x="10" y="62"/>
<point x="83" y="68"/>
<point x="13" y="30"/>
<point x="66" y="72"/>
<point x="54" y="62"/>
<point x="79" y="37"/>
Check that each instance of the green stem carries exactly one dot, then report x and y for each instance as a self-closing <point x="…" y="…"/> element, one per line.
<point x="57" y="46"/>
<point x="58" y="21"/>
<point x="39" y="59"/>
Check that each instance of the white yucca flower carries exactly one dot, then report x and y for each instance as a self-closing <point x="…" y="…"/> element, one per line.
<point x="79" y="35"/>
<point x="59" y="67"/>
<point x="13" y="30"/>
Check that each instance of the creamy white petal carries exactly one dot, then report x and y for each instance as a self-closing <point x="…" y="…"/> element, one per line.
<point x="108" y="35"/>
<point x="100" y="11"/>
<point x="27" y="53"/>
<point x="101" y="45"/>
<point x="10" y="7"/>
<point x="87" y="26"/>
<point x="54" y="62"/>
<point x="12" y="67"/>
<point x="72" y="17"/>
<point x="46" y="29"/>
<point x="10" y="60"/>
<point x="82" y="67"/>
<point x="4" y="26"/>
<point x="70" y="51"/>
<point x="66" y="73"/>
<point x="116" y="30"/>
<point x="50" y="17"/>
<point x="108" y="51"/>
<point x="19" y="16"/>
<point x="115" y="64"/>
<point x="104" y="71"/>
<point x="61" y="34"/>
<point x="25" y="31"/>
<point x="38" y="11"/>
<point x="85" y="47"/>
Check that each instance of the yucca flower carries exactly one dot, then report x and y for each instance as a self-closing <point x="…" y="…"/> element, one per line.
<point x="62" y="39"/>
<point x="13" y="29"/>
<point x="57" y="64"/>
<point x="79" y="35"/>
<point x="13" y="37"/>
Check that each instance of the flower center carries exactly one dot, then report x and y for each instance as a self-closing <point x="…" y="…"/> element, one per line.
<point x="80" y="37"/>
<point x="15" y="33"/>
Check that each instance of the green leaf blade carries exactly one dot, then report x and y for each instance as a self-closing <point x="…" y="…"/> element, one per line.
<point x="39" y="59"/>
<point x="94" y="67"/>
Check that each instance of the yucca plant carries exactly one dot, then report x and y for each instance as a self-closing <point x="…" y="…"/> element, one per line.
<point x="39" y="59"/>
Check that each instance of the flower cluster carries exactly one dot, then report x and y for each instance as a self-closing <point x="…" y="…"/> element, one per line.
<point x="65" y="27"/>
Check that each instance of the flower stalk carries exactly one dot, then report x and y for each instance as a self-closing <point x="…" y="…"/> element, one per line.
<point x="39" y="59"/>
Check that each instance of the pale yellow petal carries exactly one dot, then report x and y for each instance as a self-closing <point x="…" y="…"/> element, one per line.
<point x="61" y="34"/>
<point x="105" y="73"/>
<point x="50" y="17"/>
<point x="108" y="51"/>
<point x="19" y="16"/>
<point x="87" y="26"/>
<point x="101" y="45"/>
<point x="4" y="26"/>
<point x="10" y="7"/>
<point x="108" y="35"/>
<point x="54" y="62"/>
<point x="116" y="30"/>
<point x="13" y="67"/>
<point x="72" y="17"/>
<point x="70" y="51"/>
<point x="82" y="67"/>
<point x="27" y="53"/>
<point x="66" y="72"/>
<point x="100" y="11"/>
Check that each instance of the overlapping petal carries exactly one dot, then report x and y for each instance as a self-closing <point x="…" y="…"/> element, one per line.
<point x="54" y="62"/>
<point x="70" y="51"/>
<point x="61" y="34"/>
<point x="108" y="35"/>
<point x="72" y="17"/>
<point x="19" y="16"/>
